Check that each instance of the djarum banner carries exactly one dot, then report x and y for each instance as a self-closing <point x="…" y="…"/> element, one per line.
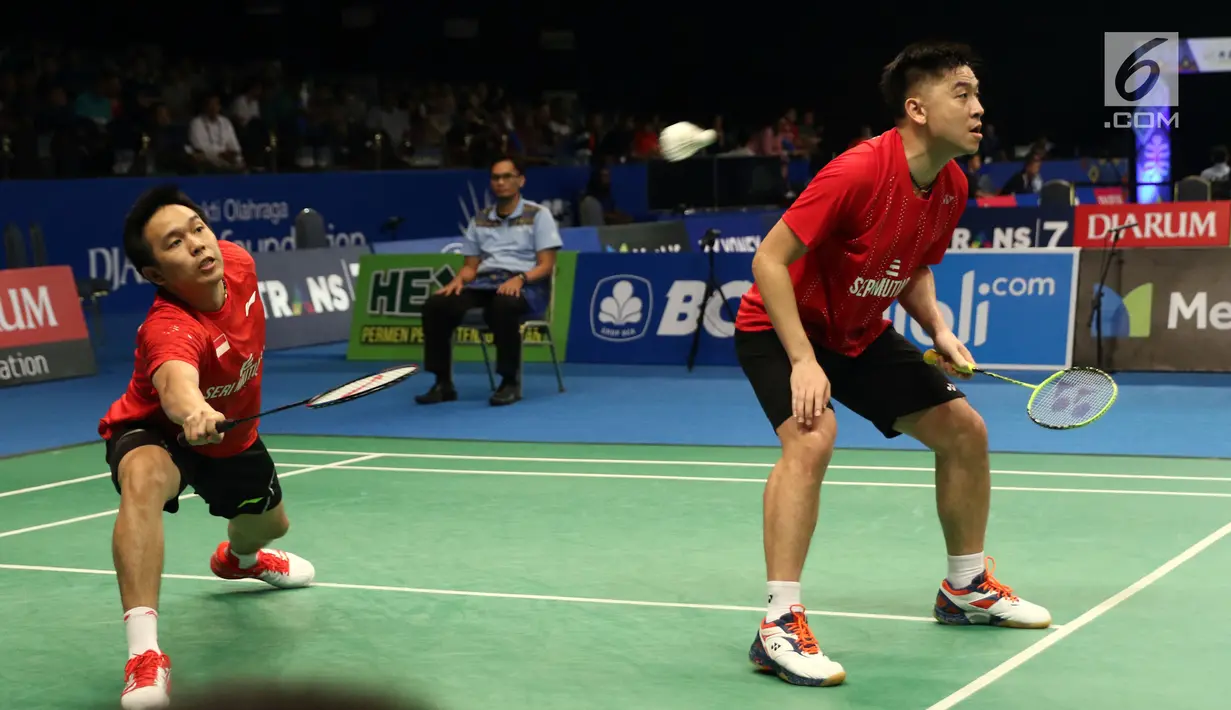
<point x="391" y="291"/>
<point x="307" y="294"/>
<point x="43" y="333"/>
<point x="1162" y="310"/>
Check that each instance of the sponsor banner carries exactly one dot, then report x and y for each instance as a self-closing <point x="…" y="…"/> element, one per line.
<point x="642" y="309"/>
<point x="1014" y="228"/>
<point x="1162" y="310"/>
<point x="43" y="334"/>
<point x="389" y="296"/>
<point x="307" y="295"/>
<point x="642" y="237"/>
<point x="579" y="239"/>
<point x="1168" y="224"/>
<point x="259" y="211"/>
<point x="740" y="232"/>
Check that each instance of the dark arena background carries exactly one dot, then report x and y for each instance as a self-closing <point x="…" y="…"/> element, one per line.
<point x="598" y="543"/>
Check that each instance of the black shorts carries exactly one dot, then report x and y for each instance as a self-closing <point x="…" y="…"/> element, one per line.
<point x="246" y="483"/>
<point x="885" y="382"/>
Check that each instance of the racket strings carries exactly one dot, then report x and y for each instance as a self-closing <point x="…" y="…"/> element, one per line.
<point x="363" y="385"/>
<point x="1072" y="398"/>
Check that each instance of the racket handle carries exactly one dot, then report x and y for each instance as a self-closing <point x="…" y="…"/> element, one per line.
<point x="222" y="428"/>
<point x="931" y="357"/>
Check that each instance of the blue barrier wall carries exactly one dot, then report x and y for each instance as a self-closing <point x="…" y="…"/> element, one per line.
<point x="1012" y="308"/>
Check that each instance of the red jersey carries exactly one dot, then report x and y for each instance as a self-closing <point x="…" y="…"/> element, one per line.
<point x="227" y="348"/>
<point x="866" y="233"/>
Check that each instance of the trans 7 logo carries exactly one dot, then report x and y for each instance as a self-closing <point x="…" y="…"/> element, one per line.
<point x="1051" y="231"/>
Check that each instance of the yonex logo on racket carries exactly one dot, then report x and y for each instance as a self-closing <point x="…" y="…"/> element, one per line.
<point x="1141" y="71"/>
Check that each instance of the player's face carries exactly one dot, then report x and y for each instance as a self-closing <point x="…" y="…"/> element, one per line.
<point x="185" y="249"/>
<point x="954" y="112"/>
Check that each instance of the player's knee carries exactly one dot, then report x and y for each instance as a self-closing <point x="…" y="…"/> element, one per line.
<point x="965" y="430"/>
<point x="148" y="476"/>
<point x="809" y="452"/>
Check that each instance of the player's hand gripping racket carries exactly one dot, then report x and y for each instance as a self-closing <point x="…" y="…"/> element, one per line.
<point x="349" y="392"/>
<point x="1070" y="398"/>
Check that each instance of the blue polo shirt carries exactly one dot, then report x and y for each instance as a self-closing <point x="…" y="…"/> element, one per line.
<point x="511" y="244"/>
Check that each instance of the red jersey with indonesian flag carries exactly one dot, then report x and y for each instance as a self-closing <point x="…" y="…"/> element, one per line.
<point x="226" y="347"/>
<point x="866" y="233"/>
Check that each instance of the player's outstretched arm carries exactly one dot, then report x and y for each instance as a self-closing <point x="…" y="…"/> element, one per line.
<point x="179" y="391"/>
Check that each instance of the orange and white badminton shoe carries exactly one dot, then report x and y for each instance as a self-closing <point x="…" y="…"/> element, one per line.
<point x="274" y="567"/>
<point x="147" y="682"/>
<point x="787" y="648"/>
<point x="987" y="601"/>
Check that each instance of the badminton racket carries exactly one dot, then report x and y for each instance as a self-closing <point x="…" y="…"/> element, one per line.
<point x="349" y="392"/>
<point x="1068" y="399"/>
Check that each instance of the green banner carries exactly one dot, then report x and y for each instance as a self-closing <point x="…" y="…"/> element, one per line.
<point x="386" y="323"/>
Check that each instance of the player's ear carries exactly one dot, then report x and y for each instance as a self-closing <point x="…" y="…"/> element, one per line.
<point x="154" y="275"/>
<point x="915" y="111"/>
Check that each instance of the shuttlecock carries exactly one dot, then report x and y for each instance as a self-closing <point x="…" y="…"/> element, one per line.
<point x="681" y="140"/>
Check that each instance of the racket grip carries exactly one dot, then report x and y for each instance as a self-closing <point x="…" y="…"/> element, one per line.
<point x="222" y="428"/>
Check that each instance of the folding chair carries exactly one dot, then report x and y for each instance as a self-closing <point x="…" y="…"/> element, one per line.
<point x="1193" y="188"/>
<point x="474" y="319"/>
<point x="1058" y="193"/>
<point x="310" y="230"/>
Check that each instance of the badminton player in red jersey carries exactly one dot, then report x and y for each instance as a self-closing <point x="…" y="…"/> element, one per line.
<point x="198" y="362"/>
<point x="863" y="234"/>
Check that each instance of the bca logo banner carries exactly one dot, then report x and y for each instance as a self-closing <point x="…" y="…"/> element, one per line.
<point x="621" y="308"/>
<point x="402" y="292"/>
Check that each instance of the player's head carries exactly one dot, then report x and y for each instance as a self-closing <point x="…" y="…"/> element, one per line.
<point x="932" y="87"/>
<point x="507" y="178"/>
<point x="168" y="240"/>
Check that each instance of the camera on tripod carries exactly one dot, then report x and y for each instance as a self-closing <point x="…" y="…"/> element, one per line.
<point x="708" y="245"/>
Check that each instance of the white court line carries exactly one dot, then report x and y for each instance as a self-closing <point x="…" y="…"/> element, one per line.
<point x="105" y="513"/>
<point x="1050" y="640"/>
<point x="718" y="479"/>
<point x="653" y="462"/>
<point x="57" y="484"/>
<point x="490" y="595"/>
<point x="743" y="464"/>
<point x="95" y="477"/>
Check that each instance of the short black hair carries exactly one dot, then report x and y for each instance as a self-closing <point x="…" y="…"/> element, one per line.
<point x="136" y="248"/>
<point x="509" y="159"/>
<point x="919" y="61"/>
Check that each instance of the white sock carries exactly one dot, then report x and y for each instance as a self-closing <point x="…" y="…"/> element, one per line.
<point x="245" y="561"/>
<point x="964" y="568"/>
<point x="141" y="623"/>
<point x="782" y="596"/>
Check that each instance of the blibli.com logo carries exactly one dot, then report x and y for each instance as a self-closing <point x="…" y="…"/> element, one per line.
<point x="970" y="323"/>
<point x="1125" y="316"/>
<point x="621" y="308"/>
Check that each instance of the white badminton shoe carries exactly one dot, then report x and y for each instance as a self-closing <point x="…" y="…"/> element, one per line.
<point x="274" y="567"/>
<point x="989" y="602"/>
<point x="147" y="682"/>
<point x="787" y="648"/>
